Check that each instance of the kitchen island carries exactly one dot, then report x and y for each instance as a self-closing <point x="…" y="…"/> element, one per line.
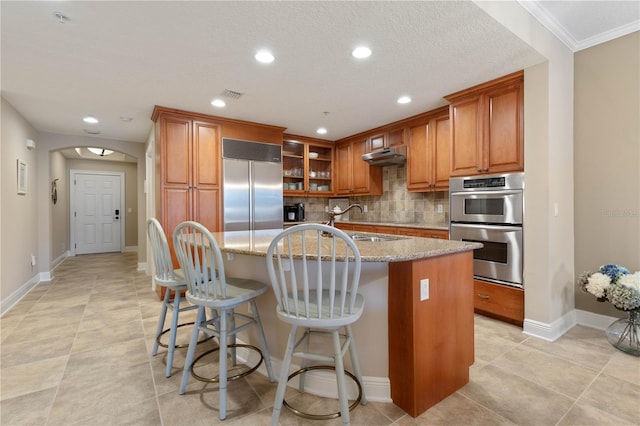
<point x="415" y="338"/>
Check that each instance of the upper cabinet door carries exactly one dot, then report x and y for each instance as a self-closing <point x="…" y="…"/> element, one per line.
<point x="441" y="140"/>
<point x="377" y="142"/>
<point x="466" y="136"/>
<point x="343" y="168"/>
<point x="175" y="137"/>
<point x="206" y="150"/>
<point x="503" y="148"/>
<point x="360" y="168"/>
<point x="418" y="158"/>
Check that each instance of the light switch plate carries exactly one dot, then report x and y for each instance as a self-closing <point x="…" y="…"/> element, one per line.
<point x="424" y="289"/>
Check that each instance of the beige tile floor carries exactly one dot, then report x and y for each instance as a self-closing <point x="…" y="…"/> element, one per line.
<point x="76" y="351"/>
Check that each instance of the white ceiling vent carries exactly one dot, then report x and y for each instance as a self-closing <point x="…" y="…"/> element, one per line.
<point x="231" y="94"/>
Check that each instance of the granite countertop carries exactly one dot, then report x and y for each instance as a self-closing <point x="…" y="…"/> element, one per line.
<point x="256" y="243"/>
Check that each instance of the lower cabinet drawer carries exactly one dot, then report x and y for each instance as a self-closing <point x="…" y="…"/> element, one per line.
<point x="499" y="301"/>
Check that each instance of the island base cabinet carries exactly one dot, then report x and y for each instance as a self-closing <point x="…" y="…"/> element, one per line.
<point x="431" y="338"/>
<point x="499" y="301"/>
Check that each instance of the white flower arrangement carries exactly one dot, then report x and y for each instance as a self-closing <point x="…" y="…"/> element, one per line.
<point x="613" y="283"/>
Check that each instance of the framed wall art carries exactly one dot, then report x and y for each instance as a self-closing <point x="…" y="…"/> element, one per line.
<point x="22" y="177"/>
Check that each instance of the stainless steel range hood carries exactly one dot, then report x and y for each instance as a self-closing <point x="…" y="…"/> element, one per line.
<point x="387" y="157"/>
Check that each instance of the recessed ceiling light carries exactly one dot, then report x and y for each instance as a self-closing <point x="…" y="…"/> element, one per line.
<point x="404" y="100"/>
<point x="100" y="151"/>
<point x="321" y="131"/>
<point x="264" y="56"/>
<point x="218" y="103"/>
<point x="361" y="52"/>
<point x="126" y="119"/>
<point x="90" y="119"/>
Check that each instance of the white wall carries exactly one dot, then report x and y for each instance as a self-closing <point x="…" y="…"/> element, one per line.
<point x="19" y="212"/>
<point x="60" y="210"/>
<point x="607" y="160"/>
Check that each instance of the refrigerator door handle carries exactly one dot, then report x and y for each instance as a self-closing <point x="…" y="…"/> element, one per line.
<point x="252" y="198"/>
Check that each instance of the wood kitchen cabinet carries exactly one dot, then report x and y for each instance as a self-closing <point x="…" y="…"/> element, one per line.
<point x="387" y="139"/>
<point x="188" y="166"/>
<point x="307" y="167"/>
<point x="428" y="164"/>
<point x="487" y="127"/>
<point x="354" y="176"/>
<point x="188" y="173"/>
<point x="499" y="301"/>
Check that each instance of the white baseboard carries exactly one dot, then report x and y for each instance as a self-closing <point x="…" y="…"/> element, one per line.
<point x="129" y="249"/>
<point x="323" y="383"/>
<point x="142" y="267"/>
<point x="553" y="331"/>
<point x="590" y="319"/>
<point x="550" y="332"/>
<point x="9" y="302"/>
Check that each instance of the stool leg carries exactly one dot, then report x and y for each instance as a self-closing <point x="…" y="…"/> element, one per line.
<point x="355" y="362"/>
<point x="173" y="332"/>
<point x="161" y="319"/>
<point x="342" y="390"/>
<point x="192" y="349"/>
<point x="305" y="362"/>
<point x="223" y="364"/>
<point x="284" y="375"/>
<point x="263" y="341"/>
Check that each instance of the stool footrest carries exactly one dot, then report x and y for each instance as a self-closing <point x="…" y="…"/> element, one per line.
<point x="164" y="345"/>
<point x="216" y="379"/>
<point x="322" y="416"/>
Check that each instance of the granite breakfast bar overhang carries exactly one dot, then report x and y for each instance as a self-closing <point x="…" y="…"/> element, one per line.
<point x="413" y="352"/>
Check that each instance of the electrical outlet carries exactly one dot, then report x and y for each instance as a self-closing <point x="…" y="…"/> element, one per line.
<point x="33" y="260"/>
<point x="424" y="289"/>
<point x="440" y="209"/>
<point x="365" y="208"/>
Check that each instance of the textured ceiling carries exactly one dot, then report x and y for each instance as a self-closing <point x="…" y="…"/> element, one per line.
<point x="114" y="59"/>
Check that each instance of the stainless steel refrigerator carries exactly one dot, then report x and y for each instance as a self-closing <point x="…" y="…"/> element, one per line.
<point x="252" y="185"/>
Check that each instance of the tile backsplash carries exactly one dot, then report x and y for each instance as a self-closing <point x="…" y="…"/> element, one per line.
<point x="395" y="205"/>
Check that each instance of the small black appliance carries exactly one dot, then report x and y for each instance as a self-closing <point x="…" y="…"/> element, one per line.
<point x="294" y="213"/>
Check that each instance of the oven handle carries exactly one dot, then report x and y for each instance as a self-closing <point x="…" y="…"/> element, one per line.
<point x="495" y="193"/>
<point x="487" y="226"/>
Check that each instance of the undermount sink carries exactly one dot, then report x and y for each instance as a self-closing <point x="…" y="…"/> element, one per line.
<point x="374" y="238"/>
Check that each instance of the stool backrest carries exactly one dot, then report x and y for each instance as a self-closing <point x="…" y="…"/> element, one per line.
<point x="309" y="261"/>
<point x="201" y="262"/>
<point x="164" y="272"/>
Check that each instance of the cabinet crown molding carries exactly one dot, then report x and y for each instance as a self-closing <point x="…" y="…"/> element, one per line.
<point x="512" y="78"/>
<point x="158" y="110"/>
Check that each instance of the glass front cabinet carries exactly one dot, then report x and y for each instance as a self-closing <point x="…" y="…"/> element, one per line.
<point x="307" y="167"/>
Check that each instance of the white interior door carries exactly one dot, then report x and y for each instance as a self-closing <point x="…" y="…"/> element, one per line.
<point x="98" y="213"/>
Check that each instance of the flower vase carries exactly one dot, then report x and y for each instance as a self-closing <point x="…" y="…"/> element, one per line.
<point x="624" y="334"/>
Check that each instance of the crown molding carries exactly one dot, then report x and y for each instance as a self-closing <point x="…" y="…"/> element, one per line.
<point x="552" y="24"/>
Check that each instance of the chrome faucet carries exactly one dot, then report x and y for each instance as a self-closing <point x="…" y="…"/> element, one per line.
<point x="333" y="214"/>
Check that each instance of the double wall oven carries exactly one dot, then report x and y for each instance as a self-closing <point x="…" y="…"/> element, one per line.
<point x="489" y="210"/>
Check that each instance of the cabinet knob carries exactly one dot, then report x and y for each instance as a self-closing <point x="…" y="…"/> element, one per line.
<point x="486" y="170"/>
<point x="479" y="170"/>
